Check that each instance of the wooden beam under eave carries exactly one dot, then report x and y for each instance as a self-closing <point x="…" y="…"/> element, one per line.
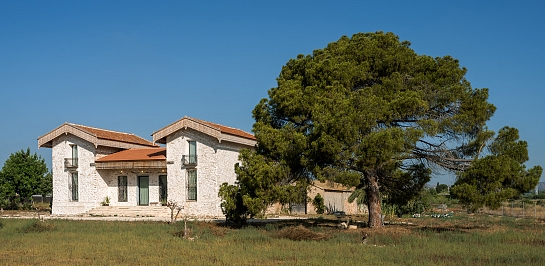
<point x="123" y="165"/>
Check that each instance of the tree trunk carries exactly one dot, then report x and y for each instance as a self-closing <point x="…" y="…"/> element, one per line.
<point x="373" y="201"/>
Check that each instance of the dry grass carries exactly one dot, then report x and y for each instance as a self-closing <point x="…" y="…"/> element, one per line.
<point x="460" y="240"/>
<point x="36" y="226"/>
<point x="299" y="233"/>
<point x="533" y="209"/>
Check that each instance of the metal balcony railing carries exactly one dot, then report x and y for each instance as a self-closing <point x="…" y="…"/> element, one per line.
<point x="70" y="162"/>
<point x="189" y="160"/>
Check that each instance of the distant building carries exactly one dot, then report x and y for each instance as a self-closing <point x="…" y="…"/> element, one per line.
<point x="335" y="197"/>
<point x="540" y="187"/>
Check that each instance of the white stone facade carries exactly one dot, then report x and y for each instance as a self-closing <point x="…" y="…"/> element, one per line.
<point x="90" y="190"/>
<point x="215" y="165"/>
<point x="217" y="155"/>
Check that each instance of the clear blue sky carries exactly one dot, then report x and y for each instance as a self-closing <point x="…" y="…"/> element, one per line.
<point x="136" y="66"/>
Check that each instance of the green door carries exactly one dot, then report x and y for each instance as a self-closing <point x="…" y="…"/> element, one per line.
<point x="162" y="188"/>
<point x="143" y="190"/>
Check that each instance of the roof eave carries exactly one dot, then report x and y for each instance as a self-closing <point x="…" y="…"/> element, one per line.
<point x="160" y="136"/>
<point x="47" y="139"/>
<point x="121" y="165"/>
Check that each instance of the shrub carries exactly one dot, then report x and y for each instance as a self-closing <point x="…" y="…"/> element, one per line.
<point x="318" y="203"/>
<point x="41" y="206"/>
<point x="35" y="226"/>
<point x="299" y="233"/>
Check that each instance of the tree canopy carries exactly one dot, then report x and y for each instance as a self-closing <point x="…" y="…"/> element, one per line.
<point x="370" y="112"/>
<point x="23" y="175"/>
<point x="498" y="176"/>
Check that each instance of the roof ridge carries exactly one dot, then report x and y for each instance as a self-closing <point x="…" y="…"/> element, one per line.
<point x="114" y="131"/>
<point x="104" y="134"/>
<point x="221" y="125"/>
<point x="203" y="121"/>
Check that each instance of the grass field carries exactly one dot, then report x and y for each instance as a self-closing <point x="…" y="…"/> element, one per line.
<point x="460" y="240"/>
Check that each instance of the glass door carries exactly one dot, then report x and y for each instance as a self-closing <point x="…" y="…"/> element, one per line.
<point x="143" y="190"/>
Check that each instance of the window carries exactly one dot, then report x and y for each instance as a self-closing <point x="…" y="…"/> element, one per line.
<point x="122" y="188"/>
<point x="192" y="152"/>
<point x="162" y="188"/>
<point x="75" y="195"/>
<point x="72" y="162"/>
<point x="191" y="158"/>
<point x="192" y="184"/>
<point x="75" y="155"/>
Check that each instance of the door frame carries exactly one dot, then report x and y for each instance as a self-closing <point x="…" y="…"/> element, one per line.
<point x="139" y="199"/>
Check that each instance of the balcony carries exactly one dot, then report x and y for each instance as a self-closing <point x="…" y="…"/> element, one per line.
<point x="189" y="160"/>
<point x="71" y="162"/>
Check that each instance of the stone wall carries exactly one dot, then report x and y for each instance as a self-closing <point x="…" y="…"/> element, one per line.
<point x="88" y="185"/>
<point x="336" y="200"/>
<point x="215" y="165"/>
<point x="110" y="178"/>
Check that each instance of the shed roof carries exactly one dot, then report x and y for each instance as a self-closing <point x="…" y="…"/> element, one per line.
<point x="332" y="186"/>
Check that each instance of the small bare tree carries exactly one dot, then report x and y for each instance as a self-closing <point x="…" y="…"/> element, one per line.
<point x="173" y="206"/>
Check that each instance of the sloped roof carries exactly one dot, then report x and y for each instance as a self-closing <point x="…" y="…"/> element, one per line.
<point x="229" y="130"/>
<point x="331" y="186"/>
<point x="145" y="154"/>
<point x="114" y="135"/>
<point x="96" y="136"/>
<point x="220" y="132"/>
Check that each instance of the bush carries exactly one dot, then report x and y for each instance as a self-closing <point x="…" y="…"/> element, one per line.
<point x="36" y="226"/>
<point x="232" y="204"/>
<point x="299" y="233"/>
<point x="318" y="203"/>
<point x="541" y="195"/>
<point x="440" y="188"/>
<point x="42" y="206"/>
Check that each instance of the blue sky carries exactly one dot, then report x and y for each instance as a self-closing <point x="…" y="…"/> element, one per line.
<point x="136" y="66"/>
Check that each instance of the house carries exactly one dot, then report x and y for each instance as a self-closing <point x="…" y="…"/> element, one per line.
<point x="91" y="165"/>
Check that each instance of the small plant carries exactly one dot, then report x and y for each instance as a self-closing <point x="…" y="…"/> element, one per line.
<point x="173" y="205"/>
<point x="36" y="226"/>
<point x="318" y="203"/>
<point x="41" y="206"/>
<point x="106" y="201"/>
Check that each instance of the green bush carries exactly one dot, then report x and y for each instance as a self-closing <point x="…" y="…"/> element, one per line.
<point x="318" y="203"/>
<point x="36" y="226"/>
<point x="440" y="188"/>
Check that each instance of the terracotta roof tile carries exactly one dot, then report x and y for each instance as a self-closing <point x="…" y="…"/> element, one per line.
<point x="147" y="154"/>
<point x="228" y="130"/>
<point x="114" y="135"/>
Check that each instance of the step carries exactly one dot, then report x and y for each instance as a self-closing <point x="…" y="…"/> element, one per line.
<point x="130" y="211"/>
